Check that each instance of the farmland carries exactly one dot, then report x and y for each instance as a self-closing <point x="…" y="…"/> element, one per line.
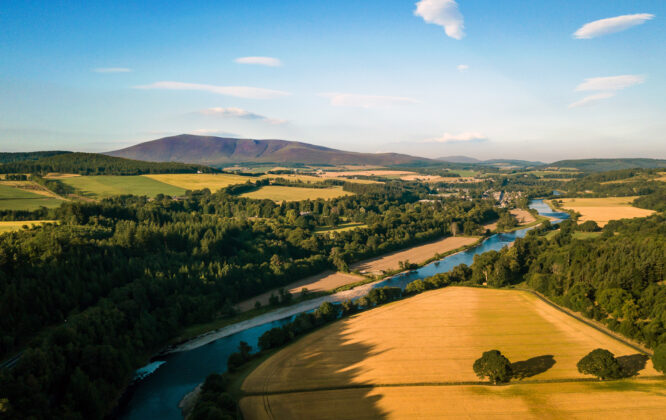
<point x="109" y="185"/>
<point x="602" y="210"/>
<point x="416" y="255"/>
<point x="12" y="198"/>
<point x="414" y="358"/>
<point x="343" y="227"/>
<point x="10" y="226"/>
<point x="213" y="182"/>
<point x="280" y="193"/>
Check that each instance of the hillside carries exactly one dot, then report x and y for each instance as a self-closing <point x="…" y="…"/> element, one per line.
<point x="96" y="164"/>
<point x="215" y="151"/>
<point x="458" y="159"/>
<point x="602" y="165"/>
<point x="21" y="156"/>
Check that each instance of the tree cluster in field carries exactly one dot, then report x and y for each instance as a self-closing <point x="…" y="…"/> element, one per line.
<point x="91" y="298"/>
<point x="96" y="164"/>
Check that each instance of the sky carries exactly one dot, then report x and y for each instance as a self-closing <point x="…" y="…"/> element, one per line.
<point x="537" y="80"/>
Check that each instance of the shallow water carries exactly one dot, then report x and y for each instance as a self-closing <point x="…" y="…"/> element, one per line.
<point x="157" y="395"/>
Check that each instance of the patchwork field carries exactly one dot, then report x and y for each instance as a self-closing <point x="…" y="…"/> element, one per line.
<point x="213" y="182"/>
<point x="109" y="185"/>
<point x="379" y="172"/>
<point x="10" y="226"/>
<point x="414" y="358"/>
<point x="12" y="198"/>
<point x="324" y="282"/>
<point x="280" y="193"/>
<point x="416" y="255"/>
<point x="602" y="210"/>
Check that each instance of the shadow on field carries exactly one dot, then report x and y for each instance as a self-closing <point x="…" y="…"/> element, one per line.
<point x="632" y="364"/>
<point x="531" y="367"/>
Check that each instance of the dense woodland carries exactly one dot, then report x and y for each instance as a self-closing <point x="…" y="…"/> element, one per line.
<point x="94" y="164"/>
<point x="94" y="296"/>
<point x="21" y="156"/>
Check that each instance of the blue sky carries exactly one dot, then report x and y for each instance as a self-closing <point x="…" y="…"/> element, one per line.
<point x="432" y="78"/>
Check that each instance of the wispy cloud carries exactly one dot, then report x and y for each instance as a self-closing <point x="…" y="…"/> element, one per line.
<point x="611" y="25"/>
<point x="464" y="137"/>
<point x="112" y="70"/>
<point x="590" y="99"/>
<point x="444" y="13"/>
<point x="261" y="61"/>
<point x="462" y="68"/>
<point x="606" y="86"/>
<point x="237" y="91"/>
<point x="610" y="83"/>
<point x="366" y="101"/>
<point x="239" y="113"/>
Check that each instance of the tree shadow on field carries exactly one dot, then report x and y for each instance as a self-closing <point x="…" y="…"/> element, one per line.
<point x="632" y="364"/>
<point x="531" y="367"/>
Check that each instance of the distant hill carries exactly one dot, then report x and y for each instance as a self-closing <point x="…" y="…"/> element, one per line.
<point x="97" y="164"/>
<point x="216" y="151"/>
<point x="21" y="156"/>
<point x="491" y="162"/>
<point x="603" y="165"/>
<point x="458" y="159"/>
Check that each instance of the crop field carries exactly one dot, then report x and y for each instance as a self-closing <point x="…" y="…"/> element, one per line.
<point x="413" y="358"/>
<point x="11" y="226"/>
<point x="280" y="193"/>
<point x="416" y="255"/>
<point x="12" y="198"/>
<point x="316" y="179"/>
<point x="339" y="228"/>
<point x="379" y="172"/>
<point x="213" y="182"/>
<point x="602" y="210"/>
<point x="324" y="282"/>
<point x="109" y="185"/>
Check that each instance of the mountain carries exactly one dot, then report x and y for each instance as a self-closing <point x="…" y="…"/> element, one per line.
<point x="216" y="151"/>
<point x="458" y="159"/>
<point x="603" y="165"/>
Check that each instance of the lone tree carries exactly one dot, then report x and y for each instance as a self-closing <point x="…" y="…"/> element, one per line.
<point x="600" y="363"/>
<point x="494" y="366"/>
<point x="659" y="358"/>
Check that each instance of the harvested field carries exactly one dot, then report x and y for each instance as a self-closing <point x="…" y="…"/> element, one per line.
<point x="11" y="226"/>
<point x="324" y="282"/>
<point x="378" y="172"/>
<point x="279" y="193"/>
<point x="408" y="359"/>
<point x="316" y="179"/>
<point x="58" y="175"/>
<point x="213" y="182"/>
<point x="109" y="185"/>
<point x="602" y="210"/>
<point x="523" y="217"/>
<point x="417" y="255"/>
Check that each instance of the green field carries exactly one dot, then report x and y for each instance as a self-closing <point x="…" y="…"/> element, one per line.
<point x="464" y="172"/>
<point x="17" y="199"/>
<point x="280" y="193"/>
<point x="109" y="185"/>
<point x="339" y="228"/>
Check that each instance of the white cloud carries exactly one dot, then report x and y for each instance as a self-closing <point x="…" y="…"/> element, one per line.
<point x="611" y="25"/>
<point x="444" y="13"/>
<point x="262" y="61"/>
<point x="464" y="137"/>
<point x="112" y="70"/>
<point x="366" y="101"/>
<point x="239" y="113"/>
<point x="590" y="99"/>
<point x="462" y="68"/>
<point x="610" y="83"/>
<point x="237" y="91"/>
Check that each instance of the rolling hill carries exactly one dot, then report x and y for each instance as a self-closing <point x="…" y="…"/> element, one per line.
<point x="602" y="165"/>
<point x="216" y="151"/>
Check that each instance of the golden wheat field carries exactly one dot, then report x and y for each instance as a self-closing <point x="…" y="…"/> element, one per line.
<point x="409" y="358"/>
<point x="603" y="210"/>
<point x="213" y="182"/>
<point x="280" y="193"/>
<point x="417" y="255"/>
<point x="10" y="226"/>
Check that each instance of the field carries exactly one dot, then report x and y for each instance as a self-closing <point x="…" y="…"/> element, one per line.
<point x="339" y="228"/>
<point x="379" y="172"/>
<point x="437" y="178"/>
<point x="10" y="226"/>
<point x="109" y="185"/>
<point x="324" y="282"/>
<point x="523" y="217"/>
<point x="12" y="198"/>
<point x="213" y="182"/>
<point x="602" y="210"/>
<point x="416" y="255"/>
<point x="316" y="179"/>
<point x="413" y="358"/>
<point x="279" y="193"/>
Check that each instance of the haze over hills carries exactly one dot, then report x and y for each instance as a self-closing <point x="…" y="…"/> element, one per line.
<point x="602" y="165"/>
<point x="216" y="151"/>
<point x="491" y="162"/>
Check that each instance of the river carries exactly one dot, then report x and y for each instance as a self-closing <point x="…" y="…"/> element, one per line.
<point x="169" y="378"/>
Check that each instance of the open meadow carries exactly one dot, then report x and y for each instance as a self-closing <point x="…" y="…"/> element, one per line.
<point x="417" y="255"/>
<point x="213" y="182"/>
<point x="11" y="226"/>
<point x="603" y="210"/>
<point x="413" y="358"/>
<point x="280" y="193"/>
<point x="14" y="198"/>
<point x="108" y="185"/>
